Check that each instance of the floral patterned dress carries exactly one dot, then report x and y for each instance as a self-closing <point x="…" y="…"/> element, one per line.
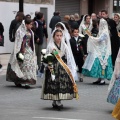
<point x="27" y="67"/>
<point x="114" y="94"/>
<point x="59" y="89"/>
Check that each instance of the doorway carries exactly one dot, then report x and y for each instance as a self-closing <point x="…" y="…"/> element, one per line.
<point x="45" y="13"/>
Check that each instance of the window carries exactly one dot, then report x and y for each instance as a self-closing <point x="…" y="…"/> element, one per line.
<point x="116" y="6"/>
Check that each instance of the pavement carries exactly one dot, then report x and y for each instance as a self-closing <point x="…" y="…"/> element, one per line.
<point x="25" y="104"/>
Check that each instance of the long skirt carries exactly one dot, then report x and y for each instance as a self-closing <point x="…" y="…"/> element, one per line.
<point x="96" y="70"/>
<point x="114" y="94"/>
<point x="27" y="67"/>
<point x="59" y="89"/>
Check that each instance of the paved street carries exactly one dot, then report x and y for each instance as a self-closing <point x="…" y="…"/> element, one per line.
<point x="25" y="104"/>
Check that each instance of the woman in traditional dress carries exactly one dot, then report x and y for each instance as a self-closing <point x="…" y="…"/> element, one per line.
<point x="86" y="24"/>
<point x="62" y="87"/>
<point x="98" y="63"/>
<point x="114" y="89"/>
<point x="114" y="86"/>
<point x="22" y="65"/>
<point x="66" y="38"/>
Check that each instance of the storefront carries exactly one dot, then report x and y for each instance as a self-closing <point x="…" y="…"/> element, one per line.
<point x="67" y="7"/>
<point x="86" y="6"/>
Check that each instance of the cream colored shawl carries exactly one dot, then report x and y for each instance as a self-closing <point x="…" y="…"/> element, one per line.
<point x="20" y="33"/>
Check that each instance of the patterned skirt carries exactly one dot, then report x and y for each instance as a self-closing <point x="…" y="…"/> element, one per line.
<point x="59" y="89"/>
<point x="96" y="70"/>
<point x="114" y="94"/>
<point x="27" y="67"/>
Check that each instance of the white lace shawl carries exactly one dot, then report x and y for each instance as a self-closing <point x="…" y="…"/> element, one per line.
<point x="116" y="72"/>
<point x="20" y="33"/>
<point x="95" y="46"/>
<point x="82" y="26"/>
<point x="64" y="50"/>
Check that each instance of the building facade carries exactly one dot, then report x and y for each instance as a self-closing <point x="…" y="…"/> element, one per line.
<point x="66" y="7"/>
<point x="86" y="6"/>
<point x="9" y="8"/>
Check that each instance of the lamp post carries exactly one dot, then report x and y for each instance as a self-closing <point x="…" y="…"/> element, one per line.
<point x="21" y="5"/>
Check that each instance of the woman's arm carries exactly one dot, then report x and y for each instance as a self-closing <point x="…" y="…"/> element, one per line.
<point x="101" y="38"/>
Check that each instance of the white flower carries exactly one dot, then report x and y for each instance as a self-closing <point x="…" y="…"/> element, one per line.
<point x="21" y="56"/>
<point x="81" y="35"/>
<point x="49" y="55"/>
<point x="53" y="77"/>
<point x="43" y="51"/>
<point x="79" y="40"/>
<point x="45" y="56"/>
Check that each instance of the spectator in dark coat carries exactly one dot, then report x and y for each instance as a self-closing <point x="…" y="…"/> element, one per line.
<point x="39" y="32"/>
<point x="14" y="25"/>
<point x="54" y="20"/>
<point x="77" y="18"/>
<point x="73" y="24"/>
<point x="113" y="35"/>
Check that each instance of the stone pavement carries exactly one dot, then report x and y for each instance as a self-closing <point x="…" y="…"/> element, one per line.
<point x="21" y="104"/>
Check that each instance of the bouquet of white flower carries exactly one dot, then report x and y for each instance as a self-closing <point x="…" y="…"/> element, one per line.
<point x="49" y="59"/>
<point x="43" y="52"/>
<point x="20" y="57"/>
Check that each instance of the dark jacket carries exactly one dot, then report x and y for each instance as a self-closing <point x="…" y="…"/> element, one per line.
<point x="39" y="32"/>
<point x="78" y="51"/>
<point x="13" y="28"/>
<point x="76" y="46"/>
<point x="114" y="38"/>
<point x="54" y="20"/>
<point x="73" y="24"/>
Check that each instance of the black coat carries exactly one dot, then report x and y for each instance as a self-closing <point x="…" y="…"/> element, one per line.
<point x="114" y="38"/>
<point x="73" y="24"/>
<point x="78" y="51"/>
<point x="39" y="32"/>
<point x="54" y="20"/>
<point x="12" y="28"/>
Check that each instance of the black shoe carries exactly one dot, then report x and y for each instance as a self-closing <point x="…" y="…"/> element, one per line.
<point x="102" y="82"/>
<point x="60" y="107"/>
<point x="97" y="82"/>
<point x="54" y="105"/>
<point x="0" y="66"/>
<point x="18" y="84"/>
<point x="81" y="79"/>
